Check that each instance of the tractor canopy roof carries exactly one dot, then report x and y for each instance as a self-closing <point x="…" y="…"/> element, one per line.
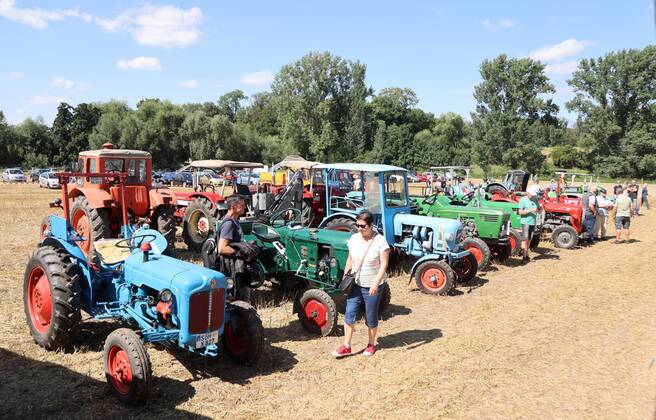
<point x="364" y="167"/>
<point x="295" y="163"/>
<point x="119" y="153"/>
<point x="220" y="164"/>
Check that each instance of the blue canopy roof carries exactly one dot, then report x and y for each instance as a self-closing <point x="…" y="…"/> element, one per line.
<point x="364" y="167"/>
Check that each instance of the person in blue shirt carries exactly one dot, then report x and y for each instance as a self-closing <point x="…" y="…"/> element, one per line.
<point x="528" y="208"/>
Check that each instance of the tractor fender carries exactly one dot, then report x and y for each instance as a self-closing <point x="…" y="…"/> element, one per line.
<point x="334" y="216"/>
<point x="159" y="197"/>
<point x="424" y="259"/>
<point x="97" y="197"/>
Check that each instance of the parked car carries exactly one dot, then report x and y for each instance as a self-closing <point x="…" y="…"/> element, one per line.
<point x="13" y="175"/>
<point x="49" y="180"/>
<point x="35" y="172"/>
<point x="182" y="178"/>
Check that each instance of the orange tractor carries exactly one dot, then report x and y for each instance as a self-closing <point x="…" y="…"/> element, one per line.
<point x="96" y="209"/>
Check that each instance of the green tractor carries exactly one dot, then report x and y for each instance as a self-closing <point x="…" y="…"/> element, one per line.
<point x="308" y="260"/>
<point x="487" y="230"/>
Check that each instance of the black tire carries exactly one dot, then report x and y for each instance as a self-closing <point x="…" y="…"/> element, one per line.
<point x="564" y="237"/>
<point x="198" y="208"/>
<point x="243" y="341"/>
<point x="307" y="213"/>
<point x="535" y="240"/>
<point x="317" y="312"/>
<point x="124" y="350"/>
<point x="98" y="219"/>
<point x="164" y="218"/>
<point x="425" y="273"/>
<point x="465" y="268"/>
<point x="58" y="328"/>
<point x="342" y="224"/>
<point x="385" y="300"/>
<point x="517" y="238"/>
<point x="480" y="250"/>
<point x="502" y="252"/>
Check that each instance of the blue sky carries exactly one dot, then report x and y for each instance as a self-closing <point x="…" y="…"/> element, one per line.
<point x="77" y="51"/>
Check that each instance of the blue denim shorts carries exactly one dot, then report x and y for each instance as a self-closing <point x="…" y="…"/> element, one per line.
<point x="355" y="299"/>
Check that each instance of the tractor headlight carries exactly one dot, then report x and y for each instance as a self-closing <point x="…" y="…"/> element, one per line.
<point x="165" y="295"/>
<point x="333" y="262"/>
<point x="450" y="237"/>
<point x="230" y="282"/>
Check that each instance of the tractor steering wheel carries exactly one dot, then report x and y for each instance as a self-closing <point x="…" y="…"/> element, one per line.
<point x="131" y="245"/>
<point x="286" y="216"/>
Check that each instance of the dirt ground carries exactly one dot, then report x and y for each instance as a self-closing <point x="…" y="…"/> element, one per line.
<point x="572" y="334"/>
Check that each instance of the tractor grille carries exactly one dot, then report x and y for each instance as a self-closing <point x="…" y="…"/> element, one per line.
<point x="489" y="218"/>
<point x="204" y="317"/>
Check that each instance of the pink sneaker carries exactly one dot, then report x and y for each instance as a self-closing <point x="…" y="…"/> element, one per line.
<point x="342" y="351"/>
<point x="370" y="350"/>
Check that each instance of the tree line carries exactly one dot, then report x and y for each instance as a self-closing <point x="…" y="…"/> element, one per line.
<point x="321" y="108"/>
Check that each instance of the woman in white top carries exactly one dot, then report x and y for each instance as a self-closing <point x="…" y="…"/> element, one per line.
<point x="368" y="257"/>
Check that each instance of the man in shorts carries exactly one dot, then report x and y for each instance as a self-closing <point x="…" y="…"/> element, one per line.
<point x="528" y="208"/>
<point x="622" y="217"/>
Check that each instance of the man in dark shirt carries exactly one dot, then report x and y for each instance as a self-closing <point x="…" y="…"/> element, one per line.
<point x="633" y="195"/>
<point x="231" y="232"/>
<point x="618" y="188"/>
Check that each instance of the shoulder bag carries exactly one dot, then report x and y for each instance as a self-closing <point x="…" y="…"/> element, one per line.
<point x="346" y="285"/>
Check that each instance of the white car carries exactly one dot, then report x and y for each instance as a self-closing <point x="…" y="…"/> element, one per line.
<point x="13" y="175"/>
<point x="48" y="180"/>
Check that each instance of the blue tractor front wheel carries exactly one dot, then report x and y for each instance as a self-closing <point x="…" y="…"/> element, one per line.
<point x="127" y="366"/>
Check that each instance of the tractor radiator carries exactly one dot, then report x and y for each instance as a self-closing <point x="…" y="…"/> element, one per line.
<point x="206" y="311"/>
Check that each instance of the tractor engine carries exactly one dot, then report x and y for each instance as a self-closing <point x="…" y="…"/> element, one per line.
<point x="419" y="235"/>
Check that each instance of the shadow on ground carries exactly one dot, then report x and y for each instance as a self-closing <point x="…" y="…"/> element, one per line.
<point x="32" y="388"/>
<point x="410" y="339"/>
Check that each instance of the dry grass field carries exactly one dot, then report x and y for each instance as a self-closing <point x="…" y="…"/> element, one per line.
<point x="570" y="335"/>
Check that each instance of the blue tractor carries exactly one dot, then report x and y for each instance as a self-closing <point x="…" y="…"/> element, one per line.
<point x="434" y="242"/>
<point x="161" y="299"/>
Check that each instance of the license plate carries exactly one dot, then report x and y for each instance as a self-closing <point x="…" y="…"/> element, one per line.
<point x="204" y="339"/>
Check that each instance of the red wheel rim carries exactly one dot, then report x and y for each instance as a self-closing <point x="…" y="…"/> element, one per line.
<point x="82" y="227"/>
<point x="236" y="341"/>
<point x="476" y="252"/>
<point x="200" y="222"/>
<point x="316" y="312"/>
<point x="513" y="243"/>
<point x="39" y="300"/>
<point x="120" y="370"/>
<point x="433" y="278"/>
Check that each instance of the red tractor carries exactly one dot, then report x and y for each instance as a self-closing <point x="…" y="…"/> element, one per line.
<point x="96" y="211"/>
<point x="199" y="210"/>
<point x="563" y="215"/>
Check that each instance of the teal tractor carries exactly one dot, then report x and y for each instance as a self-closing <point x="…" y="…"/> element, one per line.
<point x="435" y="244"/>
<point x="161" y="299"/>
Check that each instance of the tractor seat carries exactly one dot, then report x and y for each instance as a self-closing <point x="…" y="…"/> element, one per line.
<point x="265" y="233"/>
<point x="108" y="253"/>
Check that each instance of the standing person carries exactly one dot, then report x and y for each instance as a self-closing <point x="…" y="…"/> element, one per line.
<point x="369" y="254"/>
<point x="617" y="189"/>
<point x="645" y="196"/>
<point x="528" y="209"/>
<point x="633" y="195"/>
<point x="603" y="207"/>
<point x="230" y="235"/>
<point x="622" y="217"/>
<point x="590" y="210"/>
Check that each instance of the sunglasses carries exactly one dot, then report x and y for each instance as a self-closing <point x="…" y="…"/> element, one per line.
<point x="359" y="226"/>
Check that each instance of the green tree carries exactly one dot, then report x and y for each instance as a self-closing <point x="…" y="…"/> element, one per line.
<point x="230" y="104"/>
<point x="512" y="118"/>
<point x="108" y="128"/>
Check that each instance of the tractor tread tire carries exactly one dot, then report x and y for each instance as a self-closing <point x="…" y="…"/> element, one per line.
<point x="164" y="218"/>
<point x="142" y="372"/>
<point x="518" y="241"/>
<point x="331" y="312"/>
<point x="463" y="276"/>
<point x="64" y="277"/>
<point x="210" y="211"/>
<point x="483" y="247"/>
<point x="98" y="218"/>
<point x="255" y="332"/>
<point x="559" y="243"/>
<point x="448" y="273"/>
<point x="343" y="224"/>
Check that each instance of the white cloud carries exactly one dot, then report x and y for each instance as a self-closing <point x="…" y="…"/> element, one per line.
<point x="140" y="63"/>
<point x="566" y="67"/>
<point x="38" y="18"/>
<point x="257" y="78"/>
<point x="158" y="26"/>
<point x="500" y="24"/>
<point x="190" y="84"/>
<point x="62" y="83"/>
<point x="560" y="51"/>
<point x="46" y="99"/>
<point x="16" y="75"/>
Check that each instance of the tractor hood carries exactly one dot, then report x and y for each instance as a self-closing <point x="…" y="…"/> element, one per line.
<point x="336" y="239"/>
<point x="445" y="231"/>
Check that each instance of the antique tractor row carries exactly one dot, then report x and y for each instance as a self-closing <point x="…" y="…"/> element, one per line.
<point x="162" y="299"/>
